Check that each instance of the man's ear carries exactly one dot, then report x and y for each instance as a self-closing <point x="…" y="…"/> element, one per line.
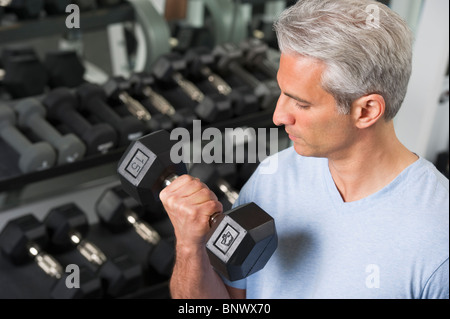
<point x="367" y="110"/>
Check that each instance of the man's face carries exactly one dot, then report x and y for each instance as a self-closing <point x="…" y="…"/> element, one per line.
<point x="308" y="112"/>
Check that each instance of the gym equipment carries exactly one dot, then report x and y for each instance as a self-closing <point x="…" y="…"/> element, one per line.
<point x="32" y="116"/>
<point x="93" y="100"/>
<point x="56" y="6"/>
<point x="22" y="241"/>
<point x="25" y="9"/>
<point x="116" y="212"/>
<point x="200" y="64"/>
<point x="33" y="157"/>
<point x="68" y="226"/>
<point x="61" y="105"/>
<point x="117" y="88"/>
<point x="168" y="68"/>
<point x="240" y="242"/>
<point x="209" y="175"/>
<point x="255" y="57"/>
<point x="64" y="69"/>
<point x="199" y="61"/>
<point x="25" y="75"/>
<point x="141" y="86"/>
<point x="228" y="57"/>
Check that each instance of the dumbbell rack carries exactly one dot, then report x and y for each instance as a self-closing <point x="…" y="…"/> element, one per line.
<point x="51" y="25"/>
<point x="11" y="178"/>
<point x="81" y="182"/>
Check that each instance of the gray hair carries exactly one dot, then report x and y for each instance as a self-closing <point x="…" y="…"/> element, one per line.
<point x="364" y="53"/>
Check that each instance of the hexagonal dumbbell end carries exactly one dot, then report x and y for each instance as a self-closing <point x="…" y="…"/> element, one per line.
<point x="242" y="242"/>
<point x="17" y="236"/>
<point x="61" y="221"/>
<point x="145" y="164"/>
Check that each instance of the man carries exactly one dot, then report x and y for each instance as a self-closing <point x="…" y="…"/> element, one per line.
<point x="358" y="215"/>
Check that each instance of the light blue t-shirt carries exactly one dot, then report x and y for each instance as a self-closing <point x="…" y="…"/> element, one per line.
<point x="392" y="244"/>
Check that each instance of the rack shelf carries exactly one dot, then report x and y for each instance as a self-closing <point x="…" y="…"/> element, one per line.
<point x="260" y="119"/>
<point x="54" y="25"/>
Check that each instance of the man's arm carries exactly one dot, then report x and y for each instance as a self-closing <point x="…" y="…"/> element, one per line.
<point x="194" y="277"/>
<point x="189" y="204"/>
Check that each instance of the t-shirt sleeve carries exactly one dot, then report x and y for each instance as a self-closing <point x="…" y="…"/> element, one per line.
<point x="437" y="286"/>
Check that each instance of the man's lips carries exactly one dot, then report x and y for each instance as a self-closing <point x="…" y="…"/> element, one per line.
<point x="292" y="137"/>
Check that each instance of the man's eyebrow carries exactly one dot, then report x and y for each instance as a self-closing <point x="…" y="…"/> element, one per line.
<point x="297" y="98"/>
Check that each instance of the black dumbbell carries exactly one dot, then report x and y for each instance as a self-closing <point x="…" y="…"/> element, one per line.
<point x="62" y="106"/>
<point x="228" y="60"/>
<point x="68" y="226"/>
<point x="93" y="100"/>
<point x="23" y="240"/>
<point x="168" y="69"/>
<point x="24" y="74"/>
<point x="255" y="57"/>
<point x="201" y="61"/>
<point x="56" y="6"/>
<point x="33" y="157"/>
<point x="209" y="175"/>
<point x="142" y="87"/>
<point x="64" y="69"/>
<point x="115" y="210"/>
<point x="117" y="88"/>
<point x="240" y="242"/>
<point x="32" y="116"/>
<point x="25" y="9"/>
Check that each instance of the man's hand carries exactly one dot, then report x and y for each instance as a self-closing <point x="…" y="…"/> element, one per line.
<point x="189" y="204"/>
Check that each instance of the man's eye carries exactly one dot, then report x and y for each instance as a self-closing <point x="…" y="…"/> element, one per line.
<point x="302" y="106"/>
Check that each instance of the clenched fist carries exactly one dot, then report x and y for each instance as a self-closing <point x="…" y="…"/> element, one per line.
<point x="190" y="204"/>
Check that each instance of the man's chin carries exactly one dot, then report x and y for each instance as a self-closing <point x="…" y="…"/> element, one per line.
<point x="303" y="151"/>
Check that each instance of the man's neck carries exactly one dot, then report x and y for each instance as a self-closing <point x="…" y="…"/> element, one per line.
<point x="370" y="165"/>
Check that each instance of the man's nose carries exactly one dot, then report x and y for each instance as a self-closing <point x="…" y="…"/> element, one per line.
<point x="281" y="115"/>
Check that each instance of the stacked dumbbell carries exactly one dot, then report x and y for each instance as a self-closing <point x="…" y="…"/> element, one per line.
<point x="118" y="212"/>
<point x="68" y="228"/>
<point x="23" y="241"/>
<point x="23" y="74"/>
<point x="113" y="262"/>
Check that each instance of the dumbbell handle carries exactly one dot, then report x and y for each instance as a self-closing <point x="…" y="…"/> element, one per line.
<point x="212" y="219"/>
<point x="229" y="192"/>
<point x="159" y="102"/>
<point x="87" y="249"/>
<point x="44" y="130"/>
<point x="46" y="262"/>
<point x="11" y="133"/>
<point x="144" y="230"/>
<point x="134" y="107"/>
<point x="188" y="87"/>
<point x="216" y="81"/>
<point x="75" y="121"/>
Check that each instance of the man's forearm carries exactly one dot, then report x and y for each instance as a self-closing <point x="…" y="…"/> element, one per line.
<point x="194" y="278"/>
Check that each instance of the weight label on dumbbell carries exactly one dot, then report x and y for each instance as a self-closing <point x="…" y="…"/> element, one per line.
<point x="136" y="164"/>
<point x="226" y="238"/>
